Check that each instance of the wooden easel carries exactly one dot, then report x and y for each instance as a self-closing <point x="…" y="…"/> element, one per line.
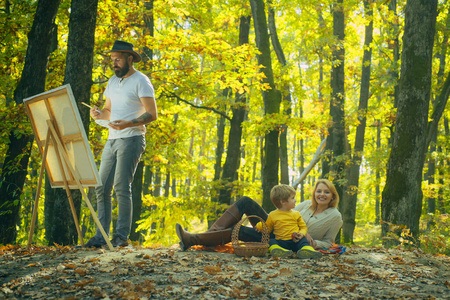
<point x="63" y="160"/>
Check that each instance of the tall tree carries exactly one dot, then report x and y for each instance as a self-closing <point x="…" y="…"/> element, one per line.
<point x="271" y="98"/>
<point x="336" y="140"/>
<point x="351" y="191"/>
<point x="431" y="208"/>
<point x="220" y="142"/>
<point x="394" y="45"/>
<point x="402" y="195"/>
<point x="138" y="180"/>
<point x="32" y="82"/>
<point x="378" y="177"/>
<point x="235" y="135"/>
<point x="286" y="98"/>
<point x="60" y="228"/>
<point x="443" y="164"/>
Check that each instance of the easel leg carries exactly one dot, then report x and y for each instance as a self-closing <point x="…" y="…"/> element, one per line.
<point x="36" y="206"/>
<point x="74" y="214"/>
<point x="69" y="195"/>
<point x="38" y="191"/>
<point x="97" y="221"/>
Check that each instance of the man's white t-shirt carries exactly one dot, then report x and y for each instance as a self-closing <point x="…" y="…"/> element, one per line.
<point x="125" y="104"/>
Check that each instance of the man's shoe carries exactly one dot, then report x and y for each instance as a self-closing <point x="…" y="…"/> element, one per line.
<point x="278" y="251"/>
<point x="95" y="242"/>
<point x="308" y="252"/>
<point x="117" y="241"/>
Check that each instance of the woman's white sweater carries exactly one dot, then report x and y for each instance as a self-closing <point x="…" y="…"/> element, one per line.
<point x="322" y="227"/>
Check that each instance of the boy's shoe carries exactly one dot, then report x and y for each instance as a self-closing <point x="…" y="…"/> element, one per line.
<point x="95" y="242"/>
<point x="308" y="252"/>
<point x="278" y="251"/>
<point x="117" y="241"/>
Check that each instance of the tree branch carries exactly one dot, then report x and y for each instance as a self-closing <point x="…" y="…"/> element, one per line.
<point x="438" y="110"/>
<point x="311" y="165"/>
<point x="172" y="95"/>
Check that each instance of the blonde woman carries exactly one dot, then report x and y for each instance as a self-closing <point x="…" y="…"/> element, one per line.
<point x="321" y="215"/>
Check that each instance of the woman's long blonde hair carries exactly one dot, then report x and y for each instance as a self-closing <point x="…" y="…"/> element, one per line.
<point x="334" y="201"/>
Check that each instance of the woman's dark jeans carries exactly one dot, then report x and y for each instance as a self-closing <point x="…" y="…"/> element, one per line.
<point x="249" y="207"/>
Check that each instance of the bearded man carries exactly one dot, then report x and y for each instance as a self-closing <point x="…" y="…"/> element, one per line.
<point x="129" y="106"/>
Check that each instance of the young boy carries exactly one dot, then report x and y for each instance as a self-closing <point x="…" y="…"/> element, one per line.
<point x="287" y="226"/>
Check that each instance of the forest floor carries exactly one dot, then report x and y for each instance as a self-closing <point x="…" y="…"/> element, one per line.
<point x="168" y="273"/>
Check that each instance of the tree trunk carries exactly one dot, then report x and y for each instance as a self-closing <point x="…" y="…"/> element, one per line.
<point x="431" y="208"/>
<point x="440" y="193"/>
<point x="137" y="184"/>
<point x="78" y="73"/>
<point x="167" y="185"/>
<point x="443" y="172"/>
<point x="301" y="168"/>
<point x="148" y="179"/>
<point x="286" y="97"/>
<point x="351" y="192"/>
<point x="174" y="187"/>
<point x="157" y="186"/>
<point x="336" y="133"/>
<point x="220" y="145"/>
<point x="301" y="142"/>
<point x="401" y="204"/>
<point x="32" y="82"/>
<point x="326" y="157"/>
<point x="136" y="192"/>
<point x="271" y="98"/>
<point x="429" y="176"/>
<point x="149" y="22"/>
<point x="378" y="178"/>
<point x="233" y="158"/>
<point x="394" y="45"/>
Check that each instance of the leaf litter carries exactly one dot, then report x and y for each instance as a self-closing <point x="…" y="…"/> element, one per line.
<point x="168" y="273"/>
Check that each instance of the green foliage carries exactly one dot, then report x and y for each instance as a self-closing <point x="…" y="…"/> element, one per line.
<point x="158" y="222"/>
<point x="367" y="235"/>
<point x="16" y="22"/>
<point x="435" y="237"/>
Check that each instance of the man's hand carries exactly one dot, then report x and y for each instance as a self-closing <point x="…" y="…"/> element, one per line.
<point x="98" y="114"/>
<point x="120" y="124"/>
<point x="95" y="112"/>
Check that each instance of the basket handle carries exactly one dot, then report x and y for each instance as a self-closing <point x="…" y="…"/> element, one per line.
<point x="235" y="234"/>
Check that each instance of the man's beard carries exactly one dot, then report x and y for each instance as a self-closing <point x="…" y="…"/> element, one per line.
<point x="120" y="72"/>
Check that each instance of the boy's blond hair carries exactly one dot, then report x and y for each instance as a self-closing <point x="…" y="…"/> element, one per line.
<point x="281" y="192"/>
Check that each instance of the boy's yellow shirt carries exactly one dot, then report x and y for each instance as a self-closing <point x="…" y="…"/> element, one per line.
<point x="284" y="223"/>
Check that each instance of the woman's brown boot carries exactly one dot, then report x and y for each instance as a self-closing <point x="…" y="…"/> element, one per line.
<point x="209" y="238"/>
<point x="229" y="218"/>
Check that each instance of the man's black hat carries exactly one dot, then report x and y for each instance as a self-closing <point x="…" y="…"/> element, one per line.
<point x="121" y="46"/>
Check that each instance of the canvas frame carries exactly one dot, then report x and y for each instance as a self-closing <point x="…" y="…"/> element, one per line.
<point x="59" y="106"/>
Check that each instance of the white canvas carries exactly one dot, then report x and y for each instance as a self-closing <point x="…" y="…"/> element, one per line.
<point x="59" y="106"/>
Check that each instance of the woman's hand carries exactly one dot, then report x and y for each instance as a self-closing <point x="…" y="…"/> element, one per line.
<point x="311" y="241"/>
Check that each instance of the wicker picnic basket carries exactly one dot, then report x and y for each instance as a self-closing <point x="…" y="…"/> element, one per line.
<point x="247" y="249"/>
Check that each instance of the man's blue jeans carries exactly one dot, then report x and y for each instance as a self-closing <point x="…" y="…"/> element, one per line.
<point x="120" y="158"/>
